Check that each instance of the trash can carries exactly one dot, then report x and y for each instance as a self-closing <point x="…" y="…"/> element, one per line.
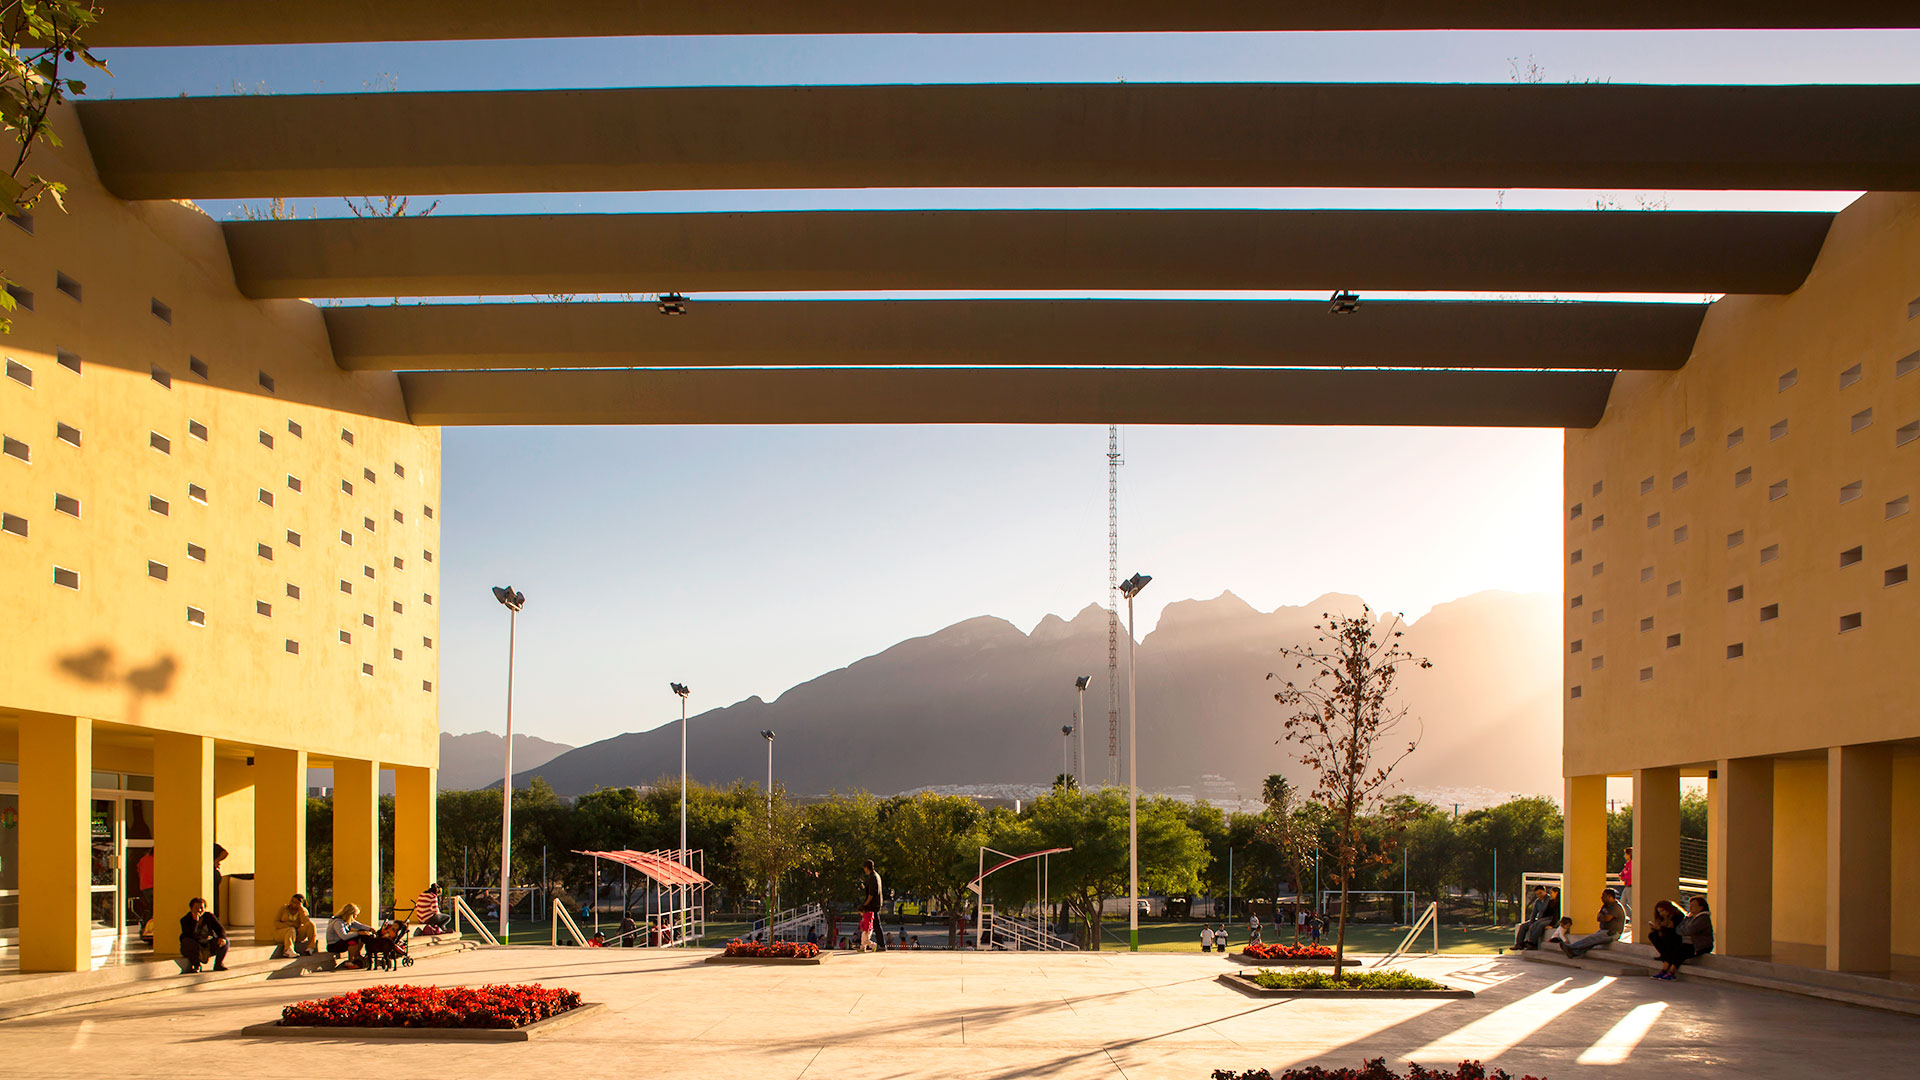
<point x="237" y="904"/>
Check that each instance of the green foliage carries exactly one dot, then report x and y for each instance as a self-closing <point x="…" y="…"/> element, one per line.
<point x="932" y="845"/>
<point x="772" y="843"/>
<point x="846" y="831"/>
<point x="1316" y="979"/>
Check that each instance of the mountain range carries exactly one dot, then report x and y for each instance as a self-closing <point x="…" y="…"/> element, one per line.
<point x="475" y="760"/>
<point x="982" y="704"/>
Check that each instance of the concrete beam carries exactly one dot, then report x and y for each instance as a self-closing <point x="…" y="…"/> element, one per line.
<point x="1008" y="396"/>
<point x="250" y="22"/>
<point x="1202" y="250"/>
<point x="1038" y="333"/>
<point x="1051" y="135"/>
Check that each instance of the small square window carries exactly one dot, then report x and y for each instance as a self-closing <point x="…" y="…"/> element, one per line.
<point x="1736" y="538"/>
<point x="346" y="638"/>
<point x="1741" y="478"/>
<point x="293" y="429"/>
<point x="346" y="537"/>
<point x="366" y="620"/>
<point x="1653" y="521"/>
<point x="1646" y="674"/>
<point x="367" y="570"/>
<point x="1576" y="645"/>
<point x="1787" y="380"/>
<point x="293" y="647"/>
<point x="1850" y="492"/>
<point x="1769" y="553"/>
<point x="426" y="642"/>
<point x="428" y="598"/>
<point x="264" y="496"/>
<point x="197" y="494"/>
<point x="1599" y="568"/>
<point x="162" y="312"/>
<point x="293" y="591"/>
<point x="1646" y="486"/>
<point x="1679" y="480"/>
<point x="1850" y="622"/>
<point x="427" y="555"/>
<point x="293" y="538"/>
<point x="1577" y="601"/>
<point x="19" y="372"/>
<point x="159" y="505"/>
<point x="1850" y="376"/>
<point x="367" y="524"/>
<point x="427" y="686"/>
<point x="399" y="563"/>
<point x="1736" y="650"/>
<point x="1862" y="420"/>
<point x="162" y="376"/>
<point x="346" y="586"/>
<point x="428" y="510"/>
<point x="14" y="448"/>
<point x="366" y="669"/>
<point x="1598" y="663"/>
<point x="1906" y="433"/>
<point x="1777" y="431"/>
<point x="1736" y="594"/>
<point x="346" y="436"/>
<point x="66" y="504"/>
<point x="1599" y="522"/>
<point x="264" y="551"/>
<point x="70" y="361"/>
<point x="1574" y="693"/>
<point x="1686" y="437"/>
<point x="368" y="475"/>
<point x="266" y="382"/>
<point x="397" y="609"/>
<point x="1574" y="559"/>
<point x="196" y="552"/>
<point x="159" y="442"/>
<point x="293" y="483"/>
<point x="22" y="296"/>
<point x="397" y="655"/>
<point x="1574" y="514"/>
<point x="65" y="578"/>
<point x="1673" y="641"/>
<point x="1899" y="506"/>
<point x="67" y="433"/>
<point x="1777" y="491"/>
<point x="196" y="617"/>
<point x="1853" y="556"/>
<point x="346" y="486"/>
<point x="198" y="367"/>
<point x="1646" y="573"/>
<point x="261" y="607"/>
<point x="1736" y="437"/>
<point x="1646" y="624"/>
<point x="1673" y="588"/>
<point x="13" y="523"/>
<point x="398" y="471"/>
<point x="1906" y="365"/>
<point x="197" y="429"/>
<point x="399" y="518"/>
<point x="1599" y="615"/>
<point x="1680" y="535"/>
<point x="1769" y="612"/>
<point x="266" y="440"/>
<point x="1895" y="576"/>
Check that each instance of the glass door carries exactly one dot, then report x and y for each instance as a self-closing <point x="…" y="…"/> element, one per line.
<point x="105" y="872"/>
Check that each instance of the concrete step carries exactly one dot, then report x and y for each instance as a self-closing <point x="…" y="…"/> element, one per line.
<point x="29" y="995"/>
<point x="1625" y="959"/>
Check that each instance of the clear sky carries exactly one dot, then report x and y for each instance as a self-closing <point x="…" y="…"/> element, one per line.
<point x="744" y="560"/>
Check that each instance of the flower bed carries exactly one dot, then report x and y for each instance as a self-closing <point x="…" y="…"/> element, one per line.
<point x="779" y="950"/>
<point x="1321" y="980"/>
<point x="1376" y="1069"/>
<point x="1287" y="952"/>
<point x="402" y="1005"/>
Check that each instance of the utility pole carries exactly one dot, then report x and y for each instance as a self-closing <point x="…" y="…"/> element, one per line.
<point x="1113" y="603"/>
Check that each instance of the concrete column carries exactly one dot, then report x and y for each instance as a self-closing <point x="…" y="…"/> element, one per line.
<point x="279" y="835"/>
<point x="182" y="832"/>
<point x="1906" y="870"/>
<point x="1585" y="867"/>
<point x="356" y="836"/>
<point x="1740" y="857"/>
<point x="414" y="840"/>
<point x="233" y="826"/>
<point x="56" y="815"/>
<point x="1656" y="842"/>
<point x="1859" y="858"/>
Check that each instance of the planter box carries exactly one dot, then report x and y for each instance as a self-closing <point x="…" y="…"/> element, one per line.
<point x="1242" y="958"/>
<point x="776" y="961"/>
<point x="538" y="1029"/>
<point x="1244" y="983"/>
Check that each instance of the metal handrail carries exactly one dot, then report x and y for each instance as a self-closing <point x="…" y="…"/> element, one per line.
<point x="460" y="908"/>
<point x="562" y="917"/>
<point x="1429" y="916"/>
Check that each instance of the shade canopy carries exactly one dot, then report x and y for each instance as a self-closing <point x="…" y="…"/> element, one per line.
<point x="663" y="871"/>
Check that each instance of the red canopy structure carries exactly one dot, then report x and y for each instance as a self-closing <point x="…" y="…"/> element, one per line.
<point x="662" y="870"/>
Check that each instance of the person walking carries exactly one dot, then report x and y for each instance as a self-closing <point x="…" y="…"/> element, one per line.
<point x="870" y="905"/>
<point x="1626" y="884"/>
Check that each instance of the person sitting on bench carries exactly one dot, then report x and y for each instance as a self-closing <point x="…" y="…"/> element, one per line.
<point x="202" y="938"/>
<point x="294" y="927"/>
<point x="1612" y="919"/>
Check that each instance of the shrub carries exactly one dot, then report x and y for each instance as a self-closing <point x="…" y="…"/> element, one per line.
<point x="1314" y="979"/>
<point x="1287" y="952"/>
<point x="402" y="1005"/>
<point x="783" y="950"/>
<point x="1376" y="1069"/>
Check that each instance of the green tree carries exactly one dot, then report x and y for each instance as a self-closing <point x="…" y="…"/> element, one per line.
<point x="772" y="843"/>
<point x="1345" y="725"/>
<point x="932" y="845"/>
<point x="1526" y="834"/>
<point x="846" y="832"/>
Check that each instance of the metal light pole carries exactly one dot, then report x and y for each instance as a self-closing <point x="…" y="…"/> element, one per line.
<point x="768" y="735"/>
<point x="512" y="601"/>
<point x="680" y="689"/>
<point x="1130" y="588"/>
<point x="1066" y="748"/>
<point x="1079" y="721"/>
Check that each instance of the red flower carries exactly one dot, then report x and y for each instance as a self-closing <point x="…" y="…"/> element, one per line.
<point x="403" y="1005"/>
<point x="791" y="950"/>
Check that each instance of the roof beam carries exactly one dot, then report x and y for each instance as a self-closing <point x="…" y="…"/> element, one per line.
<point x="1003" y="396"/>
<point x="1842" y="138"/>
<point x="1002" y="333"/>
<point x="1206" y="250"/>
<point x="256" y="22"/>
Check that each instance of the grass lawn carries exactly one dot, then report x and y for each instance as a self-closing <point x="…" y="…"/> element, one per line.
<point x="1361" y="937"/>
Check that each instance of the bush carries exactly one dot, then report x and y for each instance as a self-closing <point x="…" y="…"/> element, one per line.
<point x="1313" y="979"/>
<point x="1287" y="952"/>
<point x="401" y="1005"/>
<point x="1375" y="1069"/>
<point x="782" y="950"/>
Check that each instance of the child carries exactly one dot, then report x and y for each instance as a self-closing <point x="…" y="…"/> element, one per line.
<point x="1206" y="939"/>
<point x="1562" y="932"/>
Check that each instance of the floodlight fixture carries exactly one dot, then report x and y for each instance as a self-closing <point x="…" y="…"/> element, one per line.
<point x="1066" y="729"/>
<point x="1344" y="302"/>
<point x="680" y="689"/>
<point x="767" y="735"/>
<point x="509" y="598"/>
<point x="1131" y="587"/>
<point x="1080" y="682"/>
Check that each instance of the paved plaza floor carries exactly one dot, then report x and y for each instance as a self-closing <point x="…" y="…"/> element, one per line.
<point x="939" y="1014"/>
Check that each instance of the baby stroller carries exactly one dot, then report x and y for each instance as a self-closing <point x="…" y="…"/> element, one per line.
<point x="387" y="950"/>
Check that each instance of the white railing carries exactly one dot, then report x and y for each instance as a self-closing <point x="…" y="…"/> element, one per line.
<point x="1429" y="917"/>
<point x="1018" y="935"/>
<point x="460" y="908"/>
<point x="788" y="924"/>
<point x="562" y="917"/>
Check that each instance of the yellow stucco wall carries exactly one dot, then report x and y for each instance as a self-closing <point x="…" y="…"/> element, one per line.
<point x="1800" y="850"/>
<point x="1675" y="445"/>
<point x="121" y="648"/>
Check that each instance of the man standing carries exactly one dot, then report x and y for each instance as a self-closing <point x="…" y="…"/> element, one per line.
<point x="870" y="905"/>
<point x="1613" y="919"/>
<point x="295" y="928"/>
<point x="202" y="938"/>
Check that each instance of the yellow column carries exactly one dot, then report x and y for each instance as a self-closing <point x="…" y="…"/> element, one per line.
<point x="1656" y="842"/>
<point x="279" y="835"/>
<point x="1859" y="858"/>
<point x="414" y="840"/>
<point x="56" y="786"/>
<point x="233" y="827"/>
<point x="1799" y="858"/>
<point x="1906" y="871"/>
<point x="1586" y="851"/>
<point x="356" y="836"/>
<point x="1740" y="856"/>
<point x="182" y="832"/>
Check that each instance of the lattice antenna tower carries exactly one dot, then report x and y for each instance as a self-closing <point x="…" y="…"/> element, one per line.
<point x="1114" y="462"/>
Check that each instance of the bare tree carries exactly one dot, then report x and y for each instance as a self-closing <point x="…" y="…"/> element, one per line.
<point x="1345" y="726"/>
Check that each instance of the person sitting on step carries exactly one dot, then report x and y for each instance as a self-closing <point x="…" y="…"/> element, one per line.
<point x="202" y="938"/>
